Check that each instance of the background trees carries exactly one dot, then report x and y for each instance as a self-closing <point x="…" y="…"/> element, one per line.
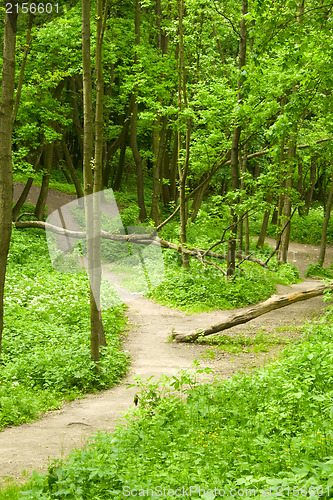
<point x="6" y="124"/>
<point x="230" y="100"/>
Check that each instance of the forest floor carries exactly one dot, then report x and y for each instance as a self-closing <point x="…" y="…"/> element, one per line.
<point x="29" y="446"/>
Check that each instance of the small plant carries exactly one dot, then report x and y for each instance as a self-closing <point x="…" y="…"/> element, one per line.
<point x="208" y="354"/>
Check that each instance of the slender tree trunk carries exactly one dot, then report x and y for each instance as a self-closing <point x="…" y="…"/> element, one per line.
<point x="23" y="65"/>
<point x="20" y="202"/>
<point x="98" y="169"/>
<point x="231" y="262"/>
<point x="182" y="101"/>
<point x="262" y="236"/>
<point x="76" y="115"/>
<point x="287" y="207"/>
<point x="71" y="169"/>
<point x="155" y="214"/>
<point x="111" y="149"/>
<point x="138" y="162"/>
<point x="48" y="160"/>
<point x="6" y="173"/>
<point x="165" y="190"/>
<point x="133" y="136"/>
<point x="197" y="200"/>
<point x="88" y="176"/>
<point x="309" y="193"/>
<point x="116" y="184"/>
<point x="325" y="225"/>
<point x="173" y="169"/>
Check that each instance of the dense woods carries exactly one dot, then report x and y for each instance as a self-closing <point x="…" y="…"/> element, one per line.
<point x="212" y="123"/>
<point x="192" y="99"/>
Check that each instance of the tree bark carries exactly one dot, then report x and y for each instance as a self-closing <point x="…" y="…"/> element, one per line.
<point x="6" y="172"/>
<point x="47" y="160"/>
<point x="182" y="102"/>
<point x="309" y="193"/>
<point x="133" y="136"/>
<point x="231" y="262"/>
<point x="98" y="170"/>
<point x="23" y="65"/>
<point x="71" y="169"/>
<point x="88" y="176"/>
<point x="287" y="206"/>
<point x="325" y="226"/>
<point x="242" y="317"/>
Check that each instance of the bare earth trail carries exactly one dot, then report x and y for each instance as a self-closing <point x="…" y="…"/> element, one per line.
<point x="28" y="447"/>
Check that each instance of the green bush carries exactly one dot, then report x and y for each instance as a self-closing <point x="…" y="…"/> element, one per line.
<point x="198" y="289"/>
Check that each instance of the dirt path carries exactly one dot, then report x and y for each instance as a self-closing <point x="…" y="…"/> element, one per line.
<point x="28" y="447"/>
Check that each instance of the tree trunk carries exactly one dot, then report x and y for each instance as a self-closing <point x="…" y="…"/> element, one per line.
<point x="325" y="226"/>
<point x="231" y="263"/>
<point x="20" y="202"/>
<point x="87" y="175"/>
<point x="138" y="162"/>
<point x="98" y="172"/>
<point x="116" y="184"/>
<point x="76" y="115"/>
<point x="198" y="199"/>
<point x="71" y="169"/>
<point x="242" y="317"/>
<point x="309" y="193"/>
<point x="23" y="65"/>
<point x="133" y="136"/>
<point x="287" y="206"/>
<point x="47" y="161"/>
<point x="6" y="172"/>
<point x="262" y="236"/>
<point x="182" y="101"/>
<point x="155" y="214"/>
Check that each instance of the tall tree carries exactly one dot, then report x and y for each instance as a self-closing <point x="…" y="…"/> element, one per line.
<point x="88" y="164"/>
<point x="234" y="160"/>
<point x="6" y="124"/>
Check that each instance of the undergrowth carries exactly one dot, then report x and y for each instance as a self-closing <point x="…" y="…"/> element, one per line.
<point x="272" y="431"/>
<point x="46" y="339"/>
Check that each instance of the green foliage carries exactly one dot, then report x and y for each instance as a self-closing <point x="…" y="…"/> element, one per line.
<point x="46" y="339"/>
<point x="318" y="270"/>
<point x="306" y="229"/>
<point x="272" y="429"/>
<point x="197" y="289"/>
<point x="260" y="341"/>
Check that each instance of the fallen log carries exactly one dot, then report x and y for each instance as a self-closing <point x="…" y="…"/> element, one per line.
<point x="143" y="239"/>
<point x="274" y="302"/>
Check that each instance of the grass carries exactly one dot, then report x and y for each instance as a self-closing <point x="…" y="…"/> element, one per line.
<point x="46" y="341"/>
<point x="57" y="181"/>
<point x="271" y="430"/>
<point x="242" y="342"/>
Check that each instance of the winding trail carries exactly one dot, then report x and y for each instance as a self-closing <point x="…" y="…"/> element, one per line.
<point x="28" y="447"/>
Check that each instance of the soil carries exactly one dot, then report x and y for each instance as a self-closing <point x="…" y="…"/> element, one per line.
<point x="30" y="446"/>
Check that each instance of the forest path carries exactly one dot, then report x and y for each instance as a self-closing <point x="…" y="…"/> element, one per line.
<point x="28" y="447"/>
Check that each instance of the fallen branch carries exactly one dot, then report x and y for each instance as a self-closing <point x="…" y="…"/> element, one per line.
<point x="141" y="239"/>
<point x="246" y="315"/>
